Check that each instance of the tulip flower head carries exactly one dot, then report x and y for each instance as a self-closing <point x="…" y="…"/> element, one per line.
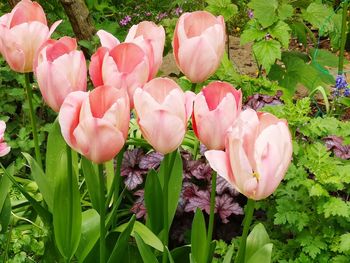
<point x="257" y="155"/>
<point x="96" y="123"/>
<point x="60" y="69"/>
<point x="163" y="110"/>
<point x="4" y="148"/>
<point x="199" y="43"/>
<point x="122" y="66"/>
<point x="215" y="109"/>
<point x="151" y="39"/>
<point x="22" y="32"/>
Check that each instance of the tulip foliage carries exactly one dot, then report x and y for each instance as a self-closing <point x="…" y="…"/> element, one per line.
<point x="250" y="150"/>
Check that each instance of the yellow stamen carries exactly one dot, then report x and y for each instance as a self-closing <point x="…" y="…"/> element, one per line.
<point x="256" y="175"/>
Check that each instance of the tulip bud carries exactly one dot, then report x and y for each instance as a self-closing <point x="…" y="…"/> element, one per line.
<point x="257" y="154"/>
<point x="151" y="39"/>
<point x="215" y="109"/>
<point x="96" y="123"/>
<point x="4" y="148"/>
<point x="163" y="110"/>
<point x="22" y="32"/>
<point x="199" y="43"/>
<point x="60" y="69"/>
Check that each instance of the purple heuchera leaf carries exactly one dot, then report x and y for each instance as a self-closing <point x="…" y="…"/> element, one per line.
<point x="151" y="160"/>
<point x="132" y="157"/>
<point x="201" y="201"/>
<point x="258" y="101"/>
<point x="133" y="179"/>
<point x="139" y="208"/>
<point x="225" y="206"/>
<point x="223" y="186"/>
<point x="335" y="144"/>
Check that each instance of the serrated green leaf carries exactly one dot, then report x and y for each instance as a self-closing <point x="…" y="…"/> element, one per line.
<point x="252" y="32"/>
<point x="318" y="190"/>
<point x="281" y="31"/>
<point x="266" y="52"/>
<point x="285" y="11"/>
<point x="222" y="7"/>
<point x="320" y="16"/>
<point x="336" y="207"/>
<point x="344" y="245"/>
<point x="264" y="11"/>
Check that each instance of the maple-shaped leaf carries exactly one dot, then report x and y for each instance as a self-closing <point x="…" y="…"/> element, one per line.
<point x="223" y="186"/>
<point x="201" y="201"/>
<point x="139" y="208"/>
<point x="258" y="101"/>
<point x="225" y="206"/>
<point x="151" y="160"/>
<point x="133" y="179"/>
<point x="335" y="144"/>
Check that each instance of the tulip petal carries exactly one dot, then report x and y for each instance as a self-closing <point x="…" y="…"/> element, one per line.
<point x="27" y="11"/>
<point x="96" y="65"/>
<point x="192" y="61"/>
<point x="219" y="162"/>
<point x="98" y="140"/>
<point x="69" y="115"/>
<point x="107" y="39"/>
<point x="162" y="130"/>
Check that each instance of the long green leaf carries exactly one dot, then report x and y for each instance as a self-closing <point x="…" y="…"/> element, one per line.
<point x="145" y="251"/>
<point x="181" y="254"/>
<point x="5" y="184"/>
<point x="262" y="255"/>
<point x="229" y="254"/>
<point x="42" y="212"/>
<point x="199" y="237"/>
<point x="257" y="238"/>
<point x="5" y="214"/>
<point x="153" y="201"/>
<point x="145" y="233"/>
<point x="45" y="186"/>
<point x="67" y="214"/>
<point x="92" y="182"/>
<point x="119" y="249"/>
<point x="90" y="233"/>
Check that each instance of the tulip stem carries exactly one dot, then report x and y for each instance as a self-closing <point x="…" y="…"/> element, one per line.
<point x="342" y="38"/>
<point x="211" y="215"/>
<point x="249" y="210"/>
<point x="169" y="160"/>
<point x="29" y="92"/>
<point x="102" y="215"/>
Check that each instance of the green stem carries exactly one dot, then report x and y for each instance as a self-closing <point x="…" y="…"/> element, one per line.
<point x="193" y="88"/>
<point x="169" y="163"/>
<point x="29" y="92"/>
<point x="102" y="215"/>
<point x="343" y="38"/>
<point x="212" y="209"/>
<point x="249" y="210"/>
<point x="70" y="179"/>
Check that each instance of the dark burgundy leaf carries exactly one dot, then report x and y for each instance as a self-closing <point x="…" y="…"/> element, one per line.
<point x="133" y="179"/>
<point x="151" y="160"/>
<point x="223" y="186"/>
<point x="139" y="208"/>
<point x="225" y="206"/>
<point x="132" y="157"/>
<point x="201" y="200"/>
<point x="258" y="101"/>
<point x="335" y="144"/>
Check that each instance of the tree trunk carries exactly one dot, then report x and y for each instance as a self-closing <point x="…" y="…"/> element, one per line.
<point x="79" y="17"/>
<point x="12" y="3"/>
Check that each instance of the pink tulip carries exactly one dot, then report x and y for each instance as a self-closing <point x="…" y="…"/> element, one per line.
<point x="22" y="32"/>
<point x="124" y="66"/>
<point x="163" y="110"/>
<point x="151" y="39"/>
<point x="96" y="123"/>
<point x="199" y="43"/>
<point x="60" y="69"/>
<point x="215" y="109"/>
<point x="4" y="148"/>
<point x="258" y="152"/>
